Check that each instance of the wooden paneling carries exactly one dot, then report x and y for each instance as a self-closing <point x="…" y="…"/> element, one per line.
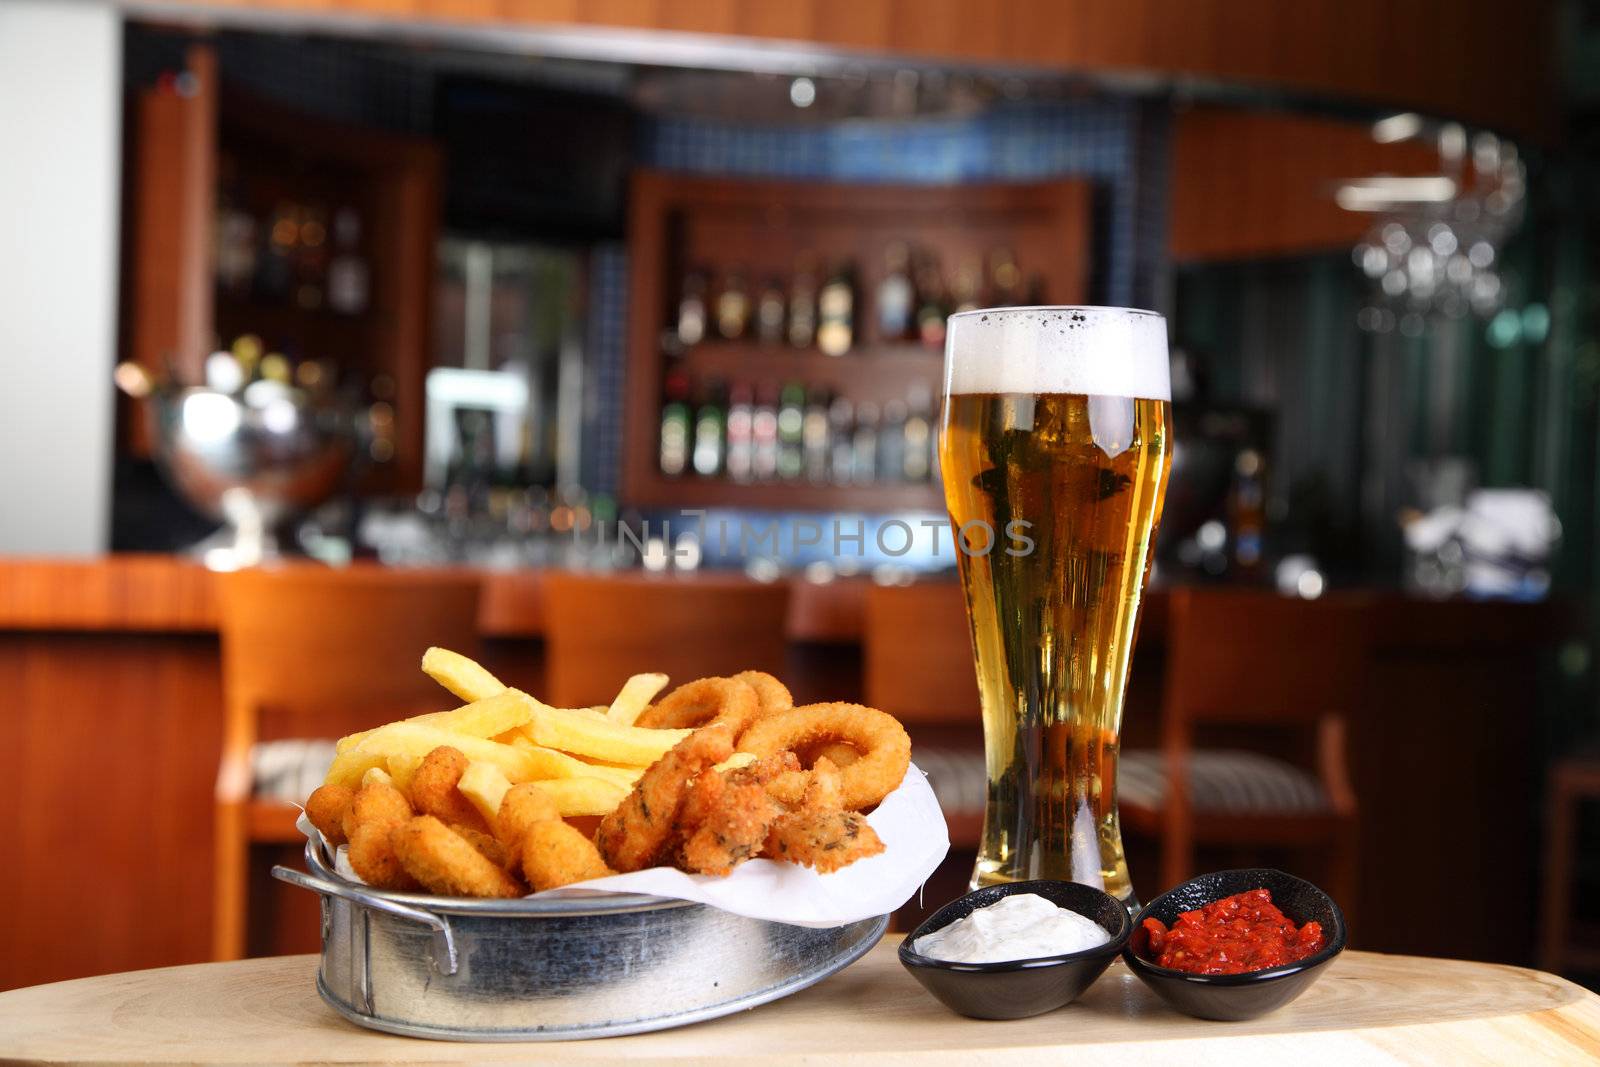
<point x="111" y="743"/>
<point x="1474" y="59"/>
<point x="173" y="178"/>
<point x="1252" y="184"/>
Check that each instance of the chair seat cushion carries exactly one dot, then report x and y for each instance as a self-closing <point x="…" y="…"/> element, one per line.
<point x="1223" y="780"/>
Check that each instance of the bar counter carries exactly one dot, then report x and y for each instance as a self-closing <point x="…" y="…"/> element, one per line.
<point x="111" y="726"/>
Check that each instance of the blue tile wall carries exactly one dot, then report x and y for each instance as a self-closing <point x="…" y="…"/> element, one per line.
<point x="601" y="460"/>
<point x="1099" y="139"/>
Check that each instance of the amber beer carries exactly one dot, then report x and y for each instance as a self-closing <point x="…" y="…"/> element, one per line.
<point x="1056" y="438"/>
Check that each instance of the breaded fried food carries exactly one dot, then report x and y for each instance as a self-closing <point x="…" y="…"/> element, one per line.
<point x="326" y="807"/>
<point x="825" y="791"/>
<point x="839" y="753"/>
<point x="555" y="854"/>
<point x="884" y="745"/>
<point x="374" y="812"/>
<point x="635" y="835"/>
<point x="702" y="702"/>
<point x="824" y="840"/>
<point x="771" y="694"/>
<point x="487" y="844"/>
<point x="765" y="769"/>
<point x="434" y="789"/>
<point x="724" y="822"/>
<point x="520" y="809"/>
<point x="446" y="863"/>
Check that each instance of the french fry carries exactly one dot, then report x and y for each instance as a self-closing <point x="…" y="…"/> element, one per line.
<point x="489" y="717"/>
<point x="403" y="768"/>
<point x="553" y="764"/>
<point x="634" y="696"/>
<point x="417" y="739"/>
<point x="485" y="785"/>
<point x="465" y="678"/>
<point x="377" y="775"/>
<point x="571" y="731"/>
<point x="584" y="796"/>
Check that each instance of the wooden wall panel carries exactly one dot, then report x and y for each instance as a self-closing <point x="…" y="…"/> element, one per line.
<point x="1474" y="59"/>
<point x="112" y="743"/>
<point x="1255" y="184"/>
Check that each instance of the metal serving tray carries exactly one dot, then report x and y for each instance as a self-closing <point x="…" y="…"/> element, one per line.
<point x="551" y="970"/>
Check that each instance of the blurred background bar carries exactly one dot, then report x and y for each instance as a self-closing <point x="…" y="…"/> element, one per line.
<point x="601" y="339"/>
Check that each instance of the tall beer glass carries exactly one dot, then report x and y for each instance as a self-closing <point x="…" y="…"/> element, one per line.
<point x="1055" y="445"/>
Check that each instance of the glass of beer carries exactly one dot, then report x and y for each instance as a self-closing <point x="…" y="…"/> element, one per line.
<point x="1055" y="445"/>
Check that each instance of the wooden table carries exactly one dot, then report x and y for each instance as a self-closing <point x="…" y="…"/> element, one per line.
<point x="1367" y="1008"/>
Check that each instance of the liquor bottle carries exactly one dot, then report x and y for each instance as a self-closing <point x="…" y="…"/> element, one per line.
<point x="769" y="313"/>
<point x="836" y="312"/>
<point x="841" y="428"/>
<point x="918" y="434"/>
<point x="311" y="265"/>
<point x="896" y="299"/>
<point x="710" y="427"/>
<point x="733" y="306"/>
<point x="741" y="442"/>
<point x="1036" y="290"/>
<point x="1005" y="278"/>
<point x="675" y="421"/>
<point x="1247" y="512"/>
<point x="791" y="432"/>
<point x="864" y="458"/>
<point x="803" y="302"/>
<point x="765" y="431"/>
<point x="892" y="442"/>
<point x="968" y="290"/>
<point x="814" y="436"/>
<point x="275" y="273"/>
<point x="931" y="310"/>
<point x="692" y="310"/>
<point x="349" y="278"/>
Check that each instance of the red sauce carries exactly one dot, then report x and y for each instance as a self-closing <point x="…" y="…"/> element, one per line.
<point x="1244" y="932"/>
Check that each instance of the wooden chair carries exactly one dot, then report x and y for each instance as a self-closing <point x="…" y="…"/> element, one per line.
<point x="313" y="652"/>
<point x="918" y="666"/>
<point x="1564" y="946"/>
<point x="1266" y="666"/>
<point x="599" y="629"/>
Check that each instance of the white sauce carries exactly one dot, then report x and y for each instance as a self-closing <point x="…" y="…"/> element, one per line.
<point x="1022" y="926"/>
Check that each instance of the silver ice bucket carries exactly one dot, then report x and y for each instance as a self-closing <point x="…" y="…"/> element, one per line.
<point x="532" y="970"/>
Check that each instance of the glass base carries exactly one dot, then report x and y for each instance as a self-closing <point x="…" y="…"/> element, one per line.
<point x="979" y="880"/>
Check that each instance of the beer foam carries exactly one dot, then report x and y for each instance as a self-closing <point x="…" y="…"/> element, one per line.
<point x="1091" y="351"/>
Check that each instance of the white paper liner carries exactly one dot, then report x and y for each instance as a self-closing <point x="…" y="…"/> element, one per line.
<point x="915" y="840"/>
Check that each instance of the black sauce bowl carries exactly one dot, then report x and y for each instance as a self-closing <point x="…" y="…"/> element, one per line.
<point x="1231" y="997"/>
<point x="1017" y="989"/>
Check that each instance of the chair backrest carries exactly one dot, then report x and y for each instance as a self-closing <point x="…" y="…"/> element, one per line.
<point x="599" y="629"/>
<point x="1250" y="656"/>
<point x="311" y="640"/>
<point x="918" y="653"/>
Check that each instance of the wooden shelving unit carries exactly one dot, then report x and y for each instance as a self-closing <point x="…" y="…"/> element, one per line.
<point x="175" y="312"/>
<point x="762" y="227"/>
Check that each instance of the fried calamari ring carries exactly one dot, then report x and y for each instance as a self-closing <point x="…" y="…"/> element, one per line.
<point x="703" y="702"/>
<point x="555" y="854"/>
<point x="883" y="743"/>
<point x="446" y="863"/>
<point x="824" y="840"/>
<point x="434" y="789"/>
<point x="838" y="753"/>
<point x="326" y="807"/>
<point x="772" y="694"/>
<point x="635" y="835"/>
